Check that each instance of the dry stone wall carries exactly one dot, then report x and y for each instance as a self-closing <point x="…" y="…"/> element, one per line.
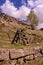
<point x="23" y="55"/>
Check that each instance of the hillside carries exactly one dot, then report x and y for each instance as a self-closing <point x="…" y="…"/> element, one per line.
<point x="9" y="26"/>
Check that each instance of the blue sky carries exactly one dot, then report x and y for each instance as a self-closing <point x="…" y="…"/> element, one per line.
<point x="17" y="3"/>
<point x="21" y="8"/>
<point x="2" y="1"/>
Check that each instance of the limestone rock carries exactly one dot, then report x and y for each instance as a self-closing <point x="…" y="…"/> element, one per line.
<point x="20" y="61"/>
<point x="14" y="62"/>
<point x="6" y="63"/>
<point x="1" y="57"/>
<point x="37" y="52"/>
<point x="30" y="57"/>
<point x="28" y="51"/>
<point x="42" y="50"/>
<point x="4" y="54"/>
<point x="16" y="53"/>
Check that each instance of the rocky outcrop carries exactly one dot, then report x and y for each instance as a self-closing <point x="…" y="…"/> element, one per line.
<point x="20" y="36"/>
<point x="20" y="55"/>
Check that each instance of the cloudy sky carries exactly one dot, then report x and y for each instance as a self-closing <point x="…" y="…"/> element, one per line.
<point x="21" y="8"/>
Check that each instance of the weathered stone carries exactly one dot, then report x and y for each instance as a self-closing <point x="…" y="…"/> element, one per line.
<point x="30" y="57"/>
<point x="21" y="37"/>
<point x="16" y="53"/>
<point x="25" y="62"/>
<point x="37" y="53"/>
<point x="4" y="54"/>
<point x="14" y="62"/>
<point x="27" y="58"/>
<point x="42" y="50"/>
<point x="5" y="63"/>
<point x="28" y="51"/>
<point x="37" y="48"/>
<point x="1" y="57"/>
<point x="20" y="61"/>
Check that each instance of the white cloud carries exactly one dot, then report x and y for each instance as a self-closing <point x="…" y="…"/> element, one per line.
<point x="23" y="2"/>
<point x="39" y="12"/>
<point x="10" y="9"/>
<point x="40" y="25"/>
<point x="23" y="11"/>
<point x="33" y="3"/>
<point x="38" y="4"/>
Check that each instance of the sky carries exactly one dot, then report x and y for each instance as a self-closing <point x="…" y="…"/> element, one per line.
<point x="21" y="8"/>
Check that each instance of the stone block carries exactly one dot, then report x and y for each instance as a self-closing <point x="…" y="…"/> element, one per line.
<point x="1" y="57"/>
<point x="4" y="54"/>
<point x="16" y="53"/>
<point x="28" y="51"/>
<point x="30" y="57"/>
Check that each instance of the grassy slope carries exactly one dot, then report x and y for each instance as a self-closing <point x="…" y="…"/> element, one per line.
<point x="8" y="27"/>
<point x="6" y="43"/>
<point x="38" y="61"/>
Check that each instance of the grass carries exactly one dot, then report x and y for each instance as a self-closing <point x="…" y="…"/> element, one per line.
<point x="38" y="61"/>
<point x="6" y="43"/>
<point x="8" y="46"/>
<point x="18" y="46"/>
